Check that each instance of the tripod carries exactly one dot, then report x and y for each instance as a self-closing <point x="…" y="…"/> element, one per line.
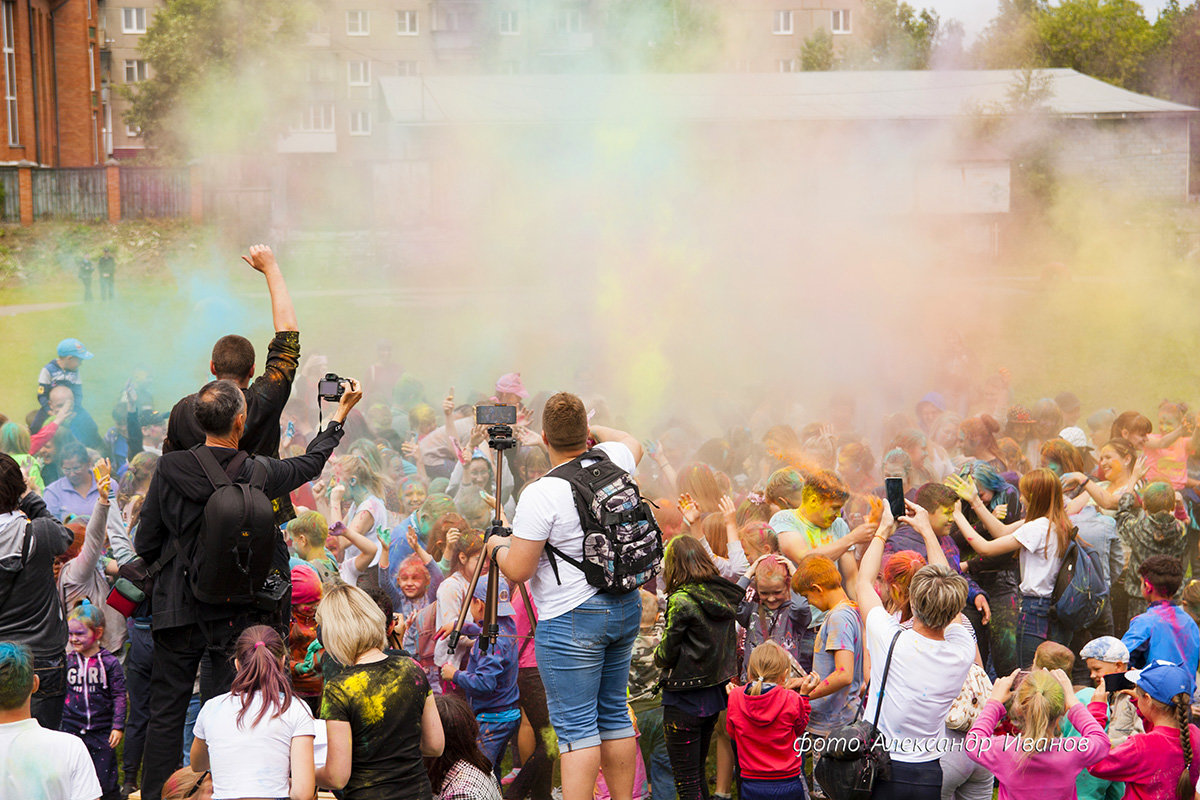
<point x="500" y="438"/>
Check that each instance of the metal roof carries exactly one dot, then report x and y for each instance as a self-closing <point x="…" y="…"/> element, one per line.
<point x="842" y="95"/>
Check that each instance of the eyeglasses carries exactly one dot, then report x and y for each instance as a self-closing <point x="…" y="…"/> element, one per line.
<point x="196" y="787"/>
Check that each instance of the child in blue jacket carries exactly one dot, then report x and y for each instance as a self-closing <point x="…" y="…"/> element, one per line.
<point x="490" y="678"/>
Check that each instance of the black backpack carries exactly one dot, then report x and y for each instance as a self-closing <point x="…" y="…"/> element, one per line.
<point x="622" y="543"/>
<point x="233" y="552"/>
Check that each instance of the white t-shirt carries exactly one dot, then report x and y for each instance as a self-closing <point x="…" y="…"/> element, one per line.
<point x="1039" y="562"/>
<point x="42" y="764"/>
<point x="375" y="507"/>
<point x="925" y="677"/>
<point x="546" y="513"/>
<point x="251" y="760"/>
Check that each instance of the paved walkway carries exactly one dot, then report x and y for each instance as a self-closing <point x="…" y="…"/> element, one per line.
<point x="12" y="311"/>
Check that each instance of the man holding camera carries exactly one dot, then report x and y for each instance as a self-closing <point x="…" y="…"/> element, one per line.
<point x="584" y="639"/>
<point x="233" y="360"/>
<point x="172" y="520"/>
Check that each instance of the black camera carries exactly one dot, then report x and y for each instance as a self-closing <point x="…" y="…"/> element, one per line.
<point x="496" y="415"/>
<point x="331" y="387"/>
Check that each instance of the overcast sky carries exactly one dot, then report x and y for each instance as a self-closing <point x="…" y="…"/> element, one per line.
<point x="974" y="14"/>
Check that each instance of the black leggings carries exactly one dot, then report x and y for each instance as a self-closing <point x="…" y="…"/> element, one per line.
<point x="688" y="738"/>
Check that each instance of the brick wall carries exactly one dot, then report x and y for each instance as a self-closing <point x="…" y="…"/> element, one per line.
<point x="1146" y="156"/>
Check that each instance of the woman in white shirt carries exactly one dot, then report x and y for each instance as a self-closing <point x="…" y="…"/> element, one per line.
<point x="257" y="740"/>
<point x="1041" y="539"/>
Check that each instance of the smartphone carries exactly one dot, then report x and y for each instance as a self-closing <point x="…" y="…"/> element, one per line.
<point x="497" y="414"/>
<point x="895" y="496"/>
<point x="1116" y="681"/>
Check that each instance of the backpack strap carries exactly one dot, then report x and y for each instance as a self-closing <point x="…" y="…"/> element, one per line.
<point x="580" y="507"/>
<point x="887" y="665"/>
<point x="25" y="543"/>
<point x="217" y="475"/>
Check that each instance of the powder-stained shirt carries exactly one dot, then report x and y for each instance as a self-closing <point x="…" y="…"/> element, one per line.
<point x="383" y="702"/>
<point x="841" y="630"/>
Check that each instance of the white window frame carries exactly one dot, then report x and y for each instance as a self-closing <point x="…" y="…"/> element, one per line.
<point x="408" y="68"/>
<point x="363" y="26"/>
<point x="787" y="65"/>
<point x="140" y="71"/>
<point x="784" y="23"/>
<point x="510" y="22"/>
<point x="839" y="21"/>
<point x="568" y="20"/>
<point x="133" y="20"/>
<point x="315" y="118"/>
<point x="133" y="131"/>
<point x="408" y="23"/>
<point x="7" y="26"/>
<point x="91" y="66"/>
<point x="360" y="123"/>
<point x="358" y="73"/>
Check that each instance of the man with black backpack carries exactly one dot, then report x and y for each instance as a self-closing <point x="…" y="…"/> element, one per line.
<point x="208" y="531"/>
<point x="585" y="540"/>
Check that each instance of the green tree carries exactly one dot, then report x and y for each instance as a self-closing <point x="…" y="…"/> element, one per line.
<point x="1174" y="68"/>
<point x="895" y="36"/>
<point x="1107" y="39"/>
<point x="213" y="62"/>
<point x="816" y="54"/>
<point x="1011" y="39"/>
<point x="662" y="35"/>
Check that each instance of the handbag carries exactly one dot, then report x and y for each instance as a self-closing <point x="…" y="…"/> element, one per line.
<point x="975" y="692"/>
<point x="856" y="755"/>
<point x="135" y="582"/>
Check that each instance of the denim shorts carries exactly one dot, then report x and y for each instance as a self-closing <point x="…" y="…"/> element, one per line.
<point x="583" y="657"/>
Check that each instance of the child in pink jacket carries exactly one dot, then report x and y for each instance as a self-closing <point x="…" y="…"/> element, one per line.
<point x="1160" y="764"/>
<point x="1036" y="762"/>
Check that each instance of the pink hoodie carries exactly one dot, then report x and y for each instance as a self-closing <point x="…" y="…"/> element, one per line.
<point x="1048" y="775"/>
<point x="1149" y="763"/>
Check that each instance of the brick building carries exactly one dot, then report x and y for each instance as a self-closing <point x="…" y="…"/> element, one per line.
<point x="51" y="112"/>
<point x="122" y="25"/>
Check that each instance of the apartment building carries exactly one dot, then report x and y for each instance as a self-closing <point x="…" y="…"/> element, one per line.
<point x="353" y="43"/>
<point x="51" y="111"/>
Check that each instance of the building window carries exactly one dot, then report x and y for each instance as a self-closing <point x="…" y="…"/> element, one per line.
<point x="135" y="70"/>
<point x="360" y="123"/>
<point x="320" y="72"/>
<point x="841" y="20"/>
<point x="569" y="20"/>
<point x="133" y="131"/>
<point x="787" y="65"/>
<point x="92" y="67"/>
<point x="408" y="68"/>
<point x="783" y="23"/>
<point x="449" y="21"/>
<point x="358" y="23"/>
<point x="406" y="23"/>
<point x="510" y="23"/>
<point x="358" y="73"/>
<point x="315" y="118"/>
<point x="10" y="74"/>
<point x="133" y="20"/>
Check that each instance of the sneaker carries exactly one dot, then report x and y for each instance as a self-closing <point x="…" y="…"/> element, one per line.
<point x="510" y="777"/>
<point x="128" y="789"/>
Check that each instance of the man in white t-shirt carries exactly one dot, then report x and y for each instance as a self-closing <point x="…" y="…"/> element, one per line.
<point x="929" y="664"/>
<point x="584" y="639"/>
<point x="38" y="763"/>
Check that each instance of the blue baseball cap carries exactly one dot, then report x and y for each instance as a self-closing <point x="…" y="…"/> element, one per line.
<point x="503" y="606"/>
<point x="73" y="347"/>
<point x="1162" y="680"/>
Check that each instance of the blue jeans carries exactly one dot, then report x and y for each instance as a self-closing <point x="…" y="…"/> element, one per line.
<point x="909" y="781"/>
<point x="493" y="740"/>
<point x="583" y="656"/>
<point x="1035" y="626"/>
<point x="193" y="711"/>
<point x="779" y="789"/>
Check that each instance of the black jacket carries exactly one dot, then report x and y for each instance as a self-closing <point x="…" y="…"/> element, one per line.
<point x="174" y="508"/>
<point x="33" y="614"/>
<point x="265" y="399"/>
<point x="699" y="645"/>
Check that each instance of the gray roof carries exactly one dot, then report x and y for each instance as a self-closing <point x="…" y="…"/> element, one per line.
<point x="845" y="95"/>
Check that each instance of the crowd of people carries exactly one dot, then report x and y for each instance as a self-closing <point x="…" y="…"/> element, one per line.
<point x="223" y="598"/>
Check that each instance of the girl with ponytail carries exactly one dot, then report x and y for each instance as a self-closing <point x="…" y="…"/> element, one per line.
<point x="1164" y="762"/>
<point x="765" y="719"/>
<point x="1038" y="762"/>
<point x="257" y="740"/>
